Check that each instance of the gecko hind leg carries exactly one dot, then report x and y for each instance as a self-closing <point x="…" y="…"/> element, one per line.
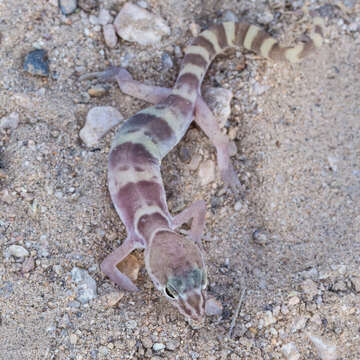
<point x="209" y="125"/>
<point x="196" y="211"/>
<point x="129" y="86"/>
<point x="109" y="265"/>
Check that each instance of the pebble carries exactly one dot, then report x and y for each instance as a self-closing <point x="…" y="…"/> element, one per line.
<point x="86" y="285"/>
<point x="310" y="288"/>
<point x="238" y="206"/>
<point x="194" y="29"/>
<point x="5" y="196"/>
<point x="218" y="100"/>
<point x="104" y="17"/>
<point x="229" y="15"/>
<point x="111" y="299"/>
<point x="195" y="162"/>
<point x="213" y="307"/>
<point x="299" y="324"/>
<point x="2" y="174"/>
<point x="355" y="281"/>
<point x="97" y="91"/>
<point x="290" y="351"/>
<point x="130" y="266"/>
<point x="36" y="63"/>
<point x="136" y="24"/>
<point x="28" y="265"/>
<point x="260" y="237"/>
<point x="10" y="121"/>
<point x="110" y="37"/>
<point x="147" y="342"/>
<point x="340" y="285"/>
<point x="73" y="339"/>
<point x="167" y="61"/>
<point x="99" y="121"/>
<point x="131" y="324"/>
<point x="207" y="172"/>
<point x="17" y="251"/>
<point x="87" y="5"/>
<point x="172" y="345"/>
<point x="293" y="301"/>
<point x="158" y="347"/>
<point x="269" y="318"/>
<point x="325" y="349"/>
<point x="67" y="7"/>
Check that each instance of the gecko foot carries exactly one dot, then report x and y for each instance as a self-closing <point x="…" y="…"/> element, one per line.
<point x="114" y="73"/>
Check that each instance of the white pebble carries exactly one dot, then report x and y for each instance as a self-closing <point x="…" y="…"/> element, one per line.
<point x="325" y="349"/>
<point x="86" y="285"/>
<point x="110" y="36"/>
<point x="269" y="318"/>
<point x="104" y="17"/>
<point x="219" y="100"/>
<point x="290" y="351"/>
<point x="213" y="307"/>
<point x="99" y="121"/>
<point x="158" y="346"/>
<point x="207" y="172"/>
<point x="136" y="24"/>
<point x="10" y="122"/>
<point x="17" y="251"/>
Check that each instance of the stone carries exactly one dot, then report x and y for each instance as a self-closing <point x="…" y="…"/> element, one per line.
<point x="110" y="37"/>
<point x="28" y="265"/>
<point x="67" y="7"/>
<point x="112" y="299"/>
<point x="218" y="100"/>
<point x="326" y="350"/>
<point x="86" y="285"/>
<point x="355" y="281"/>
<point x="136" y="24"/>
<point x="10" y="121"/>
<point x="130" y="267"/>
<point x="310" y="288"/>
<point x="36" y="63"/>
<point x="260" y="237"/>
<point x="269" y="319"/>
<point x="207" y="172"/>
<point x="290" y="351"/>
<point x="17" y="251"/>
<point x="104" y="17"/>
<point x="97" y="91"/>
<point x="99" y="121"/>
<point x="158" y="347"/>
<point x="213" y="307"/>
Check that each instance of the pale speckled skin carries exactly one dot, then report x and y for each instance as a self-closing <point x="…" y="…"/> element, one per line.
<point x="173" y="261"/>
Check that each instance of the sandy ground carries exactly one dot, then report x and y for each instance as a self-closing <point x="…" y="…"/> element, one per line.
<point x="296" y="129"/>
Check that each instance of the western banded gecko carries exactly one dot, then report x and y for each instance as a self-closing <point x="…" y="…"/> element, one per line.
<point x="174" y="261"/>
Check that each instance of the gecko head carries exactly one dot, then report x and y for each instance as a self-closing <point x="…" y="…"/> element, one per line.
<point x="176" y="266"/>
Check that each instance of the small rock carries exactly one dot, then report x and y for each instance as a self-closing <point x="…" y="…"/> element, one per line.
<point x="28" y="265"/>
<point x="131" y="324"/>
<point x="97" y="91"/>
<point x="73" y="339"/>
<point x="103" y="350"/>
<point x="265" y="17"/>
<point x="213" y="307"/>
<point x="333" y="162"/>
<point x="299" y="324"/>
<point x="339" y="285"/>
<point x="86" y="289"/>
<point x="136" y="24"/>
<point x="229" y="15"/>
<point x="172" y="345"/>
<point x="310" y="288"/>
<point x="207" y="172"/>
<point x="110" y="37"/>
<point x="158" y="347"/>
<point x="219" y="100"/>
<point x="290" y="351"/>
<point x="3" y="174"/>
<point x="10" y="122"/>
<point x="111" y="299"/>
<point x="5" y="196"/>
<point x="294" y="300"/>
<point x="147" y="342"/>
<point x="17" y="251"/>
<point x="195" y="162"/>
<point x="36" y="63"/>
<point x="260" y="237"/>
<point x="269" y="318"/>
<point x="67" y="7"/>
<point x="238" y="206"/>
<point x="87" y="5"/>
<point x="355" y="281"/>
<point x="194" y="29"/>
<point x="167" y="61"/>
<point x="325" y="349"/>
<point x="130" y="267"/>
<point x="99" y="121"/>
<point x="104" y="17"/>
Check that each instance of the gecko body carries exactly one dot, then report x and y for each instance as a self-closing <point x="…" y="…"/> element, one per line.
<point x="174" y="261"/>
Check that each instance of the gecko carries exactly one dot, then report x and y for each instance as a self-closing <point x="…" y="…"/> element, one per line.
<point x="174" y="261"/>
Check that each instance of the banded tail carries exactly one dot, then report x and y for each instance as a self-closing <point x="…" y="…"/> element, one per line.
<point x="218" y="38"/>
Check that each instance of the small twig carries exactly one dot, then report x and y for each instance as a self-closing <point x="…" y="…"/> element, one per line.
<point x="236" y="314"/>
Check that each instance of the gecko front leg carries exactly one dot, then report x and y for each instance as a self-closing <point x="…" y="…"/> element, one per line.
<point x="208" y="124"/>
<point x="129" y="86"/>
<point x="109" y="264"/>
<point x="196" y="211"/>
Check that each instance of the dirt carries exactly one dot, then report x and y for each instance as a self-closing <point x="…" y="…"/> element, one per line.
<point x="290" y="239"/>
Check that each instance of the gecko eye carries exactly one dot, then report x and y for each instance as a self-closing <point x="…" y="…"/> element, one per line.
<point x="170" y="292"/>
